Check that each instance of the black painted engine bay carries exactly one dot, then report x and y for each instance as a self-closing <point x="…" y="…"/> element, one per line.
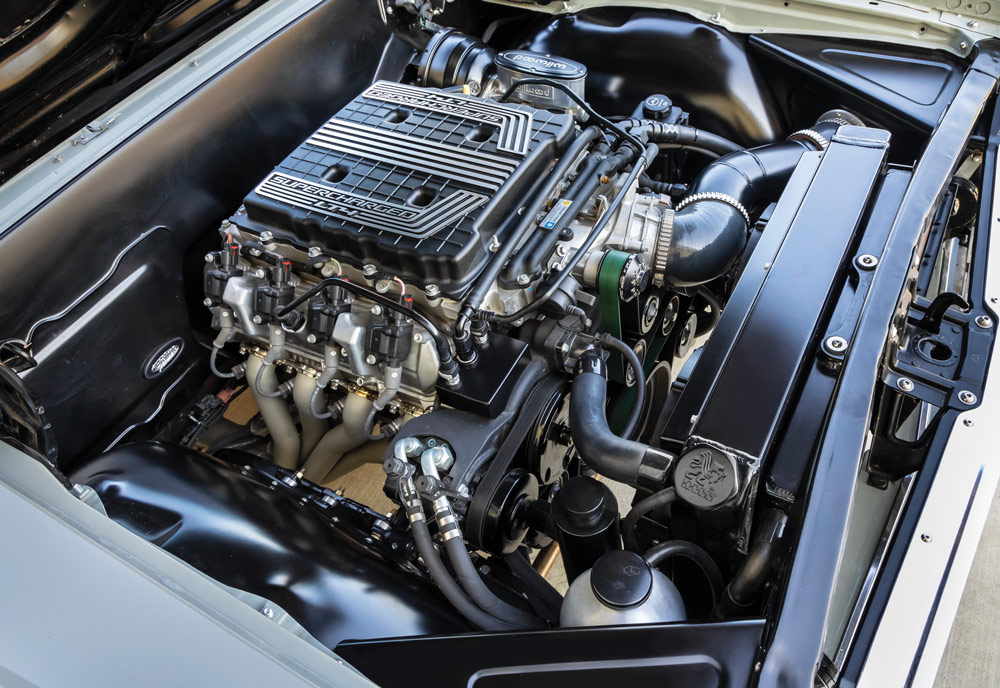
<point x="581" y="315"/>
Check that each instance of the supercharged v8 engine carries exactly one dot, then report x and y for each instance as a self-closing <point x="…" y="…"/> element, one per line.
<point x="507" y="325"/>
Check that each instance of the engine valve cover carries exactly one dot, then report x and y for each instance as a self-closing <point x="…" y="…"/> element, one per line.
<point x="416" y="181"/>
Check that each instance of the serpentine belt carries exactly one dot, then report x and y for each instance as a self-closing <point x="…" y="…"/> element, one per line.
<point x="500" y="464"/>
<point x="608" y="289"/>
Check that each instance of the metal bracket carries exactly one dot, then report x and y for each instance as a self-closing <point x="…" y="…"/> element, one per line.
<point x="93" y="130"/>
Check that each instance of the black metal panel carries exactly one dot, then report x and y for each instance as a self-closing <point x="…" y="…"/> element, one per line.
<point x="712" y="356"/>
<point x="711" y="655"/>
<point x="895" y="87"/>
<point x="748" y="401"/>
<point x="320" y="560"/>
<point x="797" y="646"/>
<point x="185" y="171"/>
<point x="794" y="451"/>
<point x="756" y="364"/>
<point x="703" y="68"/>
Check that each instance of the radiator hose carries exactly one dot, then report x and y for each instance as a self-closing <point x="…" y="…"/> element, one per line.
<point x="711" y="222"/>
<point x="627" y="461"/>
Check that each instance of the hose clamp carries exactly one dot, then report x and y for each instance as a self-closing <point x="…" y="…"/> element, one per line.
<point x="661" y="250"/>
<point x="715" y="196"/>
<point x="811" y="136"/>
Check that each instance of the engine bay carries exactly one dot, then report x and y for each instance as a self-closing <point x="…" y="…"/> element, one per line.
<point x="573" y="334"/>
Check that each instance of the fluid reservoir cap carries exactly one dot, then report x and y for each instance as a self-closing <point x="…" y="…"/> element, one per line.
<point x="706" y="477"/>
<point x="582" y="501"/>
<point x="656" y="106"/>
<point x="538" y="64"/>
<point x="621" y="579"/>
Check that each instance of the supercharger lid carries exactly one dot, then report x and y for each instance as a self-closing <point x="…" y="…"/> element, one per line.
<point x="540" y="65"/>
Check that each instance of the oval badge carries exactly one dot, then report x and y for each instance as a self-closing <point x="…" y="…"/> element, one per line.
<point x="162" y="358"/>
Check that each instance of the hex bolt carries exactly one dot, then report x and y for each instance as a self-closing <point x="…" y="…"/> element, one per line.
<point x="417" y="337"/>
<point x="370" y="359"/>
<point x="432" y="291"/>
<point x="967" y="397"/>
<point x="257" y="320"/>
<point x="494" y="244"/>
<point x="523" y="279"/>
<point x="835" y="344"/>
<point x="376" y="309"/>
<point x="255" y="252"/>
<point x="963" y="45"/>
<point x="368" y="270"/>
<point x="984" y="322"/>
<point x="311" y="338"/>
<point x="866" y="261"/>
<point x="209" y="258"/>
<point x="266" y="236"/>
<point x="207" y="302"/>
<point x="259" y="272"/>
<point x="314" y="251"/>
<point x="905" y="384"/>
<point x="226" y="223"/>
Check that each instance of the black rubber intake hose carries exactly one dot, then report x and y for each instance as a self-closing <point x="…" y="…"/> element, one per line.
<point x="711" y="224"/>
<point x="612" y="456"/>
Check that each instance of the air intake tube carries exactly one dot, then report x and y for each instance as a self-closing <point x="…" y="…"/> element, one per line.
<point x="711" y="222"/>
<point x="612" y="456"/>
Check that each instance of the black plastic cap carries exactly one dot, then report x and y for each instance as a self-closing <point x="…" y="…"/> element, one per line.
<point x="656" y="106"/>
<point x="621" y="579"/>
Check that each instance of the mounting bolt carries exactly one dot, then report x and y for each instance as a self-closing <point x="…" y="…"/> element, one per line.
<point x="925" y="538"/>
<point x="370" y="359"/>
<point x="268" y="612"/>
<point x="973" y="24"/>
<point x="968" y="422"/>
<point x="432" y="291"/>
<point x="967" y="397"/>
<point x="905" y="384"/>
<point x="226" y="223"/>
<point x="257" y="320"/>
<point x="494" y="244"/>
<point x="255" y="252"/>
<point x="866" y="261"/>
<point x="835" y="345"/>
<point x="376" y="309"/>
<point x="207" y="302"/>
<point x="523" y="279"/>
<point x="984" y="322"/>
<point x="259" y="272"/>
<point x="311" y="338"/>
<point x="314" y="251"/>
<point x="717" y="16"/>
<point x="963" y="45"/>
<point x="417" y="337"/>
<point x="369" y="270"/>
<point x="209" y="258"/>
<point x="266" y="236"/>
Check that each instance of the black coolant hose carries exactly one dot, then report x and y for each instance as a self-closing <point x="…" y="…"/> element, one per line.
<point x="659" y="553"/>
<point x="756" y="568"/>
<point x="711" y="222"/>
<point x="655" y="501"/>
<point x="601" y="449"/>
<point x="680" y="135"/>
<point x="632" y="357"/>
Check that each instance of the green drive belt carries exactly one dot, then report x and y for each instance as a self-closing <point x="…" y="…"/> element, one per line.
<point x="608" y="280"/>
